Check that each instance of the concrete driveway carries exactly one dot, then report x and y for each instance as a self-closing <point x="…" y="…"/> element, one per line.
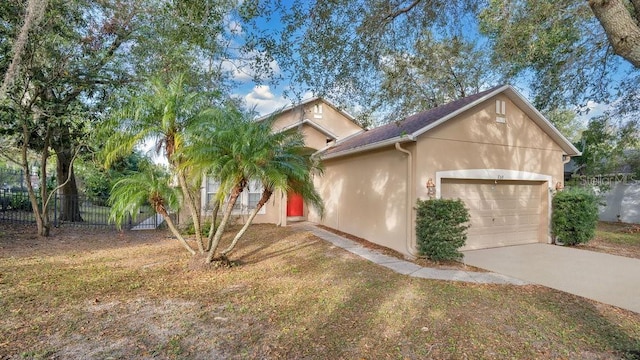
<point x="602" y="277"/>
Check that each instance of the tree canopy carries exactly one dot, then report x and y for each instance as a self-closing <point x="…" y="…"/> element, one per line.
<point x="402" y="56"/>
<point x="67" y="65"/>
<point x="566" y="49"/>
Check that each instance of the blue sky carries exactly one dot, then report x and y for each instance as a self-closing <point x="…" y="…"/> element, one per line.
<point x="268" y="97"/>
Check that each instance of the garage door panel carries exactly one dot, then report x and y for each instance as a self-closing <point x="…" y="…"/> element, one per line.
<point x="502" y="213"/>
<point x="483" y="241"/>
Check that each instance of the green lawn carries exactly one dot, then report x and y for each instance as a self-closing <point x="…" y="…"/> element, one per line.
<point x="619" y="233"/>
<point x="138" y="295"/>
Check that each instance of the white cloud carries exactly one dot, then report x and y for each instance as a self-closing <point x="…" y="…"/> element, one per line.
<point x="264" y="100"/>
<point x="592" y="109"/>
<point x="234" y="27"/>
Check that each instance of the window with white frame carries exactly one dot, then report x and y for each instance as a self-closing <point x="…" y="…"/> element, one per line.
<point x="211" y="189"/>
<point x="247" y="201"/>
<point x="254" y="193"/>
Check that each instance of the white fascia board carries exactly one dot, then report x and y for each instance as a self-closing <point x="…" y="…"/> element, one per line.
<point x="380" y="144"/>
<point x="525" y="105"/>
<point x="318" y="127"/>
<point x="542" y="121"/>
<point x="304" y="102"/>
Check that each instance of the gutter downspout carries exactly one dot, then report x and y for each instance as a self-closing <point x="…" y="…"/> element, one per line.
<point x="410" y="243"/>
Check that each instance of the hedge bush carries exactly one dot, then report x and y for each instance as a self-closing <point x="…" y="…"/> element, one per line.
<point x="441" y="228"/>
<point x="575" y="216"/>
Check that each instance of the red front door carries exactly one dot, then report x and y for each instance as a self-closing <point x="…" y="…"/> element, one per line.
<point x="294" y="205"/>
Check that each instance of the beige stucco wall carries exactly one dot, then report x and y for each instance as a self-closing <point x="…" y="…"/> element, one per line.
<point x="474" y="140"/>
<point x="330" y="119"/>
<point x="313" y="138"/>
<point x="274" y="210"/>
<point x="365" y="195"/>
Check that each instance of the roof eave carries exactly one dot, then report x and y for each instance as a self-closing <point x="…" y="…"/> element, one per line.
<point x="311" y="123"/>
<point x="304" y="102"/>
<point x="368" y="147"/>
<point x="543" y="122"/>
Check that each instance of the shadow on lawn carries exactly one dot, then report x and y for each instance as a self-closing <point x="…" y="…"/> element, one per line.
<point x="256" y="254"/>
<point x="361" y="310"/>
<point x="303" y="298"/>
<point x="22" y="240"/>
<point x="586" y="317"/>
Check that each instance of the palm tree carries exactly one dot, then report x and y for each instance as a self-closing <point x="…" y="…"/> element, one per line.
<point x="287" y="167"/>
<point x="163" y="115"/>
<point x="243" y="150"/>
<point x="150" y="186"/>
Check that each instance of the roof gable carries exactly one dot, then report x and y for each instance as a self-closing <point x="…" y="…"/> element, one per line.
<point x="416" y="125"/>
<point x="305" y="102"/>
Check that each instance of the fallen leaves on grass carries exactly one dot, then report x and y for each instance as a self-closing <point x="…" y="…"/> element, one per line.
<point x="96" y="296"/>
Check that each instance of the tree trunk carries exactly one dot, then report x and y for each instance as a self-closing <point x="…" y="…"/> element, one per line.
<point x="621" y="27"/>
<point x="69" y="198"/>
<point x="266" y="194"/>
<point x="174" y="230"/>
<point x="223" y="223"/>
<point x="214" y="219"/>
<point x="41" y="214"/>
<point x="193" y="208"/>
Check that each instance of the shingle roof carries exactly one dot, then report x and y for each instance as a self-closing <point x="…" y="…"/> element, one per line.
<point x="408" y="126"/>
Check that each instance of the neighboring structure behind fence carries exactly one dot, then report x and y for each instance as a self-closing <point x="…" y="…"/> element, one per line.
<point x="622" y="204"/>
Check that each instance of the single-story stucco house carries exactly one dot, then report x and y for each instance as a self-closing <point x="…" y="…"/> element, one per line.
<point x="493" y="150"/>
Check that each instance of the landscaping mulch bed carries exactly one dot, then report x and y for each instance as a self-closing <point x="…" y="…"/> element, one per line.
<point x="422" y="261"/>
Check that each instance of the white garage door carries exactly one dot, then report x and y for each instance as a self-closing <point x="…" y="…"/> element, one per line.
<point x="502" y="212"/>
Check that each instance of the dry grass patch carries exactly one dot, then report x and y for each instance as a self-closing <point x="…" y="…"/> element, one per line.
<point x="138" y="295"/>
<point x="617" y="239"/>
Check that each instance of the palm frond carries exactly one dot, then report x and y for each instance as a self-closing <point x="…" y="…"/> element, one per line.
<point x="150" y="187"/>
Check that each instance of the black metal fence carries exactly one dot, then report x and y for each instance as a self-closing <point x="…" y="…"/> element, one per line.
<point x="79" y="210"/>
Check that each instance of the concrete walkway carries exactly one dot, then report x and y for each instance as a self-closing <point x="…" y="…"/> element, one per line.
<point x="407" y="267"/>
<point x="610" y="279"/>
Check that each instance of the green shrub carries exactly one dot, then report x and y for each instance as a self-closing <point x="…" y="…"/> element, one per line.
<point x="575" y="216"/>
<point x="190" y="229"/>
<point x="20" y="201"/>
<point x="441" y="228"/>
